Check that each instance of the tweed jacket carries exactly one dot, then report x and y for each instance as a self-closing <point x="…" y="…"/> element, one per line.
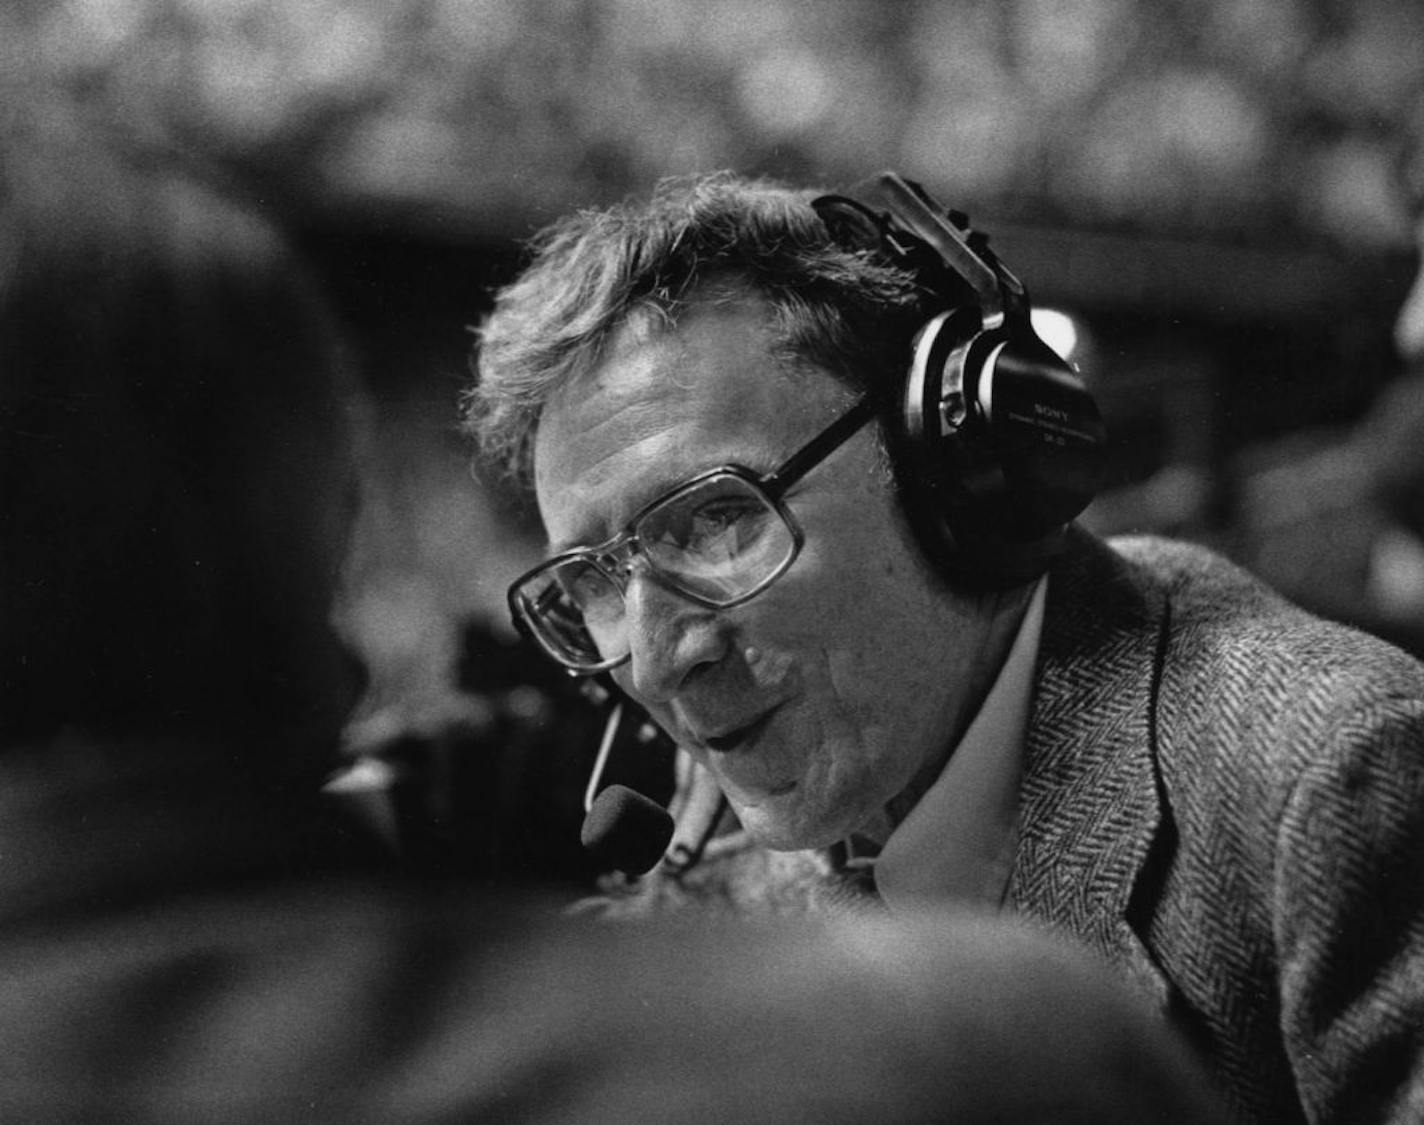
<point x="1224" y="796"/>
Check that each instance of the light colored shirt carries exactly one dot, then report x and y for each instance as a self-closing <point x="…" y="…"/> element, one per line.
<point x="958" y="841"/>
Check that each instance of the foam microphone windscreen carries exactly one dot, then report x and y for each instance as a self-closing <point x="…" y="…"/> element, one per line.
<point x="627" y="830"/>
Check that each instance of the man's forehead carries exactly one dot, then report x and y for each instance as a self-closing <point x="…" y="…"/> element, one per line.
<point x="710" y="365"/>
<point x="661" y="406"/>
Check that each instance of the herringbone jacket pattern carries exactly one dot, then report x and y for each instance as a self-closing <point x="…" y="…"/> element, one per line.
<point x="1225" y="796"/>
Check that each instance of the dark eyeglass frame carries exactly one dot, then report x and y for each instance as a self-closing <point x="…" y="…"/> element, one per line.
<point x="772" y="486"/>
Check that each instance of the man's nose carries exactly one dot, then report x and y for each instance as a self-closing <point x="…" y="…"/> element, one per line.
<point x="670" y="637"/>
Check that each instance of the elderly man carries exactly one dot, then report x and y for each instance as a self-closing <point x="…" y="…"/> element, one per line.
<point x="808" y="481"/>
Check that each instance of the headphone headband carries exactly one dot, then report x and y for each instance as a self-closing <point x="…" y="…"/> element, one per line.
<point x="907" y="219"/>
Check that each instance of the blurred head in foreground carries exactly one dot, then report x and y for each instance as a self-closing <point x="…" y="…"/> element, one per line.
<point x="175" y="464"/>
<point x="933" y="1018"/>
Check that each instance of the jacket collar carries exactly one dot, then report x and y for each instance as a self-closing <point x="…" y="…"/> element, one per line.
<point x="1090" y="802"/>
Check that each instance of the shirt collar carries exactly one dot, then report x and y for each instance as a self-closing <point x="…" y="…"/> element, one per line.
<point x="958" y="841"/>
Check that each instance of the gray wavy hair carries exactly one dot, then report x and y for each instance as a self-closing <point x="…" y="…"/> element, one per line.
<point x="846" y="311"/>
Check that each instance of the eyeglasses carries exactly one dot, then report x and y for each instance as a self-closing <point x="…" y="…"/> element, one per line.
<point x="718" y="539"/>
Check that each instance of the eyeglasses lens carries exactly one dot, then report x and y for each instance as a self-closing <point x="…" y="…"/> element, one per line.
<point x="719" y="541"/>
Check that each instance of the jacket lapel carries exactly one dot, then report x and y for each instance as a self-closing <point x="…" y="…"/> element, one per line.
<point x="1090" y="807"/>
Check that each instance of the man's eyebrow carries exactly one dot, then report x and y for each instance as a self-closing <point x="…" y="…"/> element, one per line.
<point x="597" y="532"/>
<point x="573" y="543"/>
<point x="651" y="487"/>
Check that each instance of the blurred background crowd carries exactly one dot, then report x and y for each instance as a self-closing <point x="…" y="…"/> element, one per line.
<point x="1217" y="199"/>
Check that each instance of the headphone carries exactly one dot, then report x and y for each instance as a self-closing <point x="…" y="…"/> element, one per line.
<point x="996" y="442"/>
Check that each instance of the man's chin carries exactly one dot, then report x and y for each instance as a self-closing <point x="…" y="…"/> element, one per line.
<point x="780" y="826"/>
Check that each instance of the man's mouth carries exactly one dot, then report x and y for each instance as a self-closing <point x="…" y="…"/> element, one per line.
<point x="735" y="739"/>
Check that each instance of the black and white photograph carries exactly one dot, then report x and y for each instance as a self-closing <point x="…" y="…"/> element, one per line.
<point x="1034" y="734"/>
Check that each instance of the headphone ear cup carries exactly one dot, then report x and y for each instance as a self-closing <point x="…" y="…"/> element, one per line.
<point x="999" y="447"/>
<point x="1048" y="436"/>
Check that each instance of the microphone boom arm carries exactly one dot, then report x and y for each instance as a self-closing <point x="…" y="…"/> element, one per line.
<point x="605" y="747"/>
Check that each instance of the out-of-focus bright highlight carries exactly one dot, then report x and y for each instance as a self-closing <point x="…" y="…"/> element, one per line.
<point x="1058" y="330"/>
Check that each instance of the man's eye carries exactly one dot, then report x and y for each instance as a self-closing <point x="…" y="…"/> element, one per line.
<point x="714" y="518"/>
<point x="722" y="525"/>
<point x="585" y="586"/>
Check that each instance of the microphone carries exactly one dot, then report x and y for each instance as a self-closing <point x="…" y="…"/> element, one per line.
<point x="627" y="830"/>
<point x="622" y="827"/>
